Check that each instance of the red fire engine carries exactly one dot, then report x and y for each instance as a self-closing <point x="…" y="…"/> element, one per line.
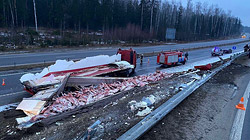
<point x="171" y="58"/>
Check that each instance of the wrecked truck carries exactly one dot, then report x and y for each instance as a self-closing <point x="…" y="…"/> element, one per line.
<point x="121" y="64"/>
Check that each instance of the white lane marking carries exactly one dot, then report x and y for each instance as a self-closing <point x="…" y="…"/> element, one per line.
<point x="9" y="94"/>
<point x="237" y="127"/>
<point x="53" y="54"/>
<point x="19" y="73"/>
<point x="68" y="56"/>
<point x="8" y="107"/>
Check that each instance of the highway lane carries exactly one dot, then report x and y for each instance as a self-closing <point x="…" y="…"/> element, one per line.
<point x="246" y="125"/>
<point x="12" y="59"/>
<point x="13" y="91"/>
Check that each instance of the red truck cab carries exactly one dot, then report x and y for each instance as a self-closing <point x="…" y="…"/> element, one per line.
<point x="129" y="56"/>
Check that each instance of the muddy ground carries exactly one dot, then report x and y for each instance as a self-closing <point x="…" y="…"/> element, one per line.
<point x="209" y="112"/>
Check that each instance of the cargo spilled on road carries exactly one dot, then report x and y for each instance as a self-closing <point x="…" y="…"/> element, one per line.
<point x="55" y="110"/>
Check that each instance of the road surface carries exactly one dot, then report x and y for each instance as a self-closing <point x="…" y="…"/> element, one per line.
<point x="246" y="124"/>
<point x="16" y="59"/>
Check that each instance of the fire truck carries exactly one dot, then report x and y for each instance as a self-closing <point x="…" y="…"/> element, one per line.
<point x="171" y="58"/>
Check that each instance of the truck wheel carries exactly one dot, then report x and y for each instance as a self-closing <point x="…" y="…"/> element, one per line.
<point x="184" y="62"/>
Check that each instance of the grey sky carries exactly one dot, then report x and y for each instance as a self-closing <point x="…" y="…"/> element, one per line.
<point x="239" y="8"/>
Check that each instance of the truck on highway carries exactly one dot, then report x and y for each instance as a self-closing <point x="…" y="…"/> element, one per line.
<point x="171" y="58"/>
<point x="122" y="64"/>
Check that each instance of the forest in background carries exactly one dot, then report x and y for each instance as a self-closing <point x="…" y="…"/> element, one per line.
<point x="116" y="20"/>
<point x="246" y="29"/>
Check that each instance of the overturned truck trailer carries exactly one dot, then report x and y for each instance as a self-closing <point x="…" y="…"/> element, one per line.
<point x="122" y="64"/>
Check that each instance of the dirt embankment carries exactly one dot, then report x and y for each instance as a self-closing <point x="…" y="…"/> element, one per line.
<point x="209" y="112"/>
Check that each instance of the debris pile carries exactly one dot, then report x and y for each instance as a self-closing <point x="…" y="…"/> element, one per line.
<point x="143" y="107"/>
<point x="86" y="95"/>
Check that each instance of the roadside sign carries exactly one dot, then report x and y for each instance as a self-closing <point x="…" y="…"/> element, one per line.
<point x="234" y="47"/>
<point x="170" y="33"/>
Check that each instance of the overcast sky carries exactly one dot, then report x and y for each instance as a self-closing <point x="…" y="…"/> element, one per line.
<point x="239" y="8"/>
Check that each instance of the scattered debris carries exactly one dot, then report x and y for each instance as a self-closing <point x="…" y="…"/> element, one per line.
<point x="8" y="107"/>
<point x="204" y="67"/>
<point x="143" y="106"/>
<point x="144" y="112"/>
<point x="23" y="119"/>
<point x="85" y="95"/>
<point x="31" y="107"/>
<point x="89" y="133"/>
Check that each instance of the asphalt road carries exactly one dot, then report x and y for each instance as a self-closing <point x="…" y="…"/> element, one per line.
<point x="10" y="60"/>
<point x="13" y="90"/>
<point x="246" y="124"/>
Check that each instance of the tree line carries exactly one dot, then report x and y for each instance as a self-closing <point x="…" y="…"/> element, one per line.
<point x="122" y="19"/>
<point x="246" y="29"/>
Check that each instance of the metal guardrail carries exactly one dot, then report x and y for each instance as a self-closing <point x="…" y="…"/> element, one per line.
<point x="150" y="120"/>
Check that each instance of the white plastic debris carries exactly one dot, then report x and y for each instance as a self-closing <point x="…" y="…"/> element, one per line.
<point x="124" y="64"/>
<point x="144" y="112"/>
<point x="8" y="107"/>
<point x="23" y="119"/>
<point x="143" y="106"/>
<point x="195" y="76"/>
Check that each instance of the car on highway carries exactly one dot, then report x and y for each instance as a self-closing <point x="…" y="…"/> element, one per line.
<point x="228" y="51"/>
<point x="216" y="51"/>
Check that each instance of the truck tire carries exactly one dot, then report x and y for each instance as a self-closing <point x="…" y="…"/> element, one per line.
<point x="184" y="62"/>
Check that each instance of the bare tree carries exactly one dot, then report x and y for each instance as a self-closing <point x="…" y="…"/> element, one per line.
<point x="34" y="4"/>
<point x="12" y="15"/>
<point x="15" y="12"/>
<point x="151" y="16"/>
<point x="142" y="11"/>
